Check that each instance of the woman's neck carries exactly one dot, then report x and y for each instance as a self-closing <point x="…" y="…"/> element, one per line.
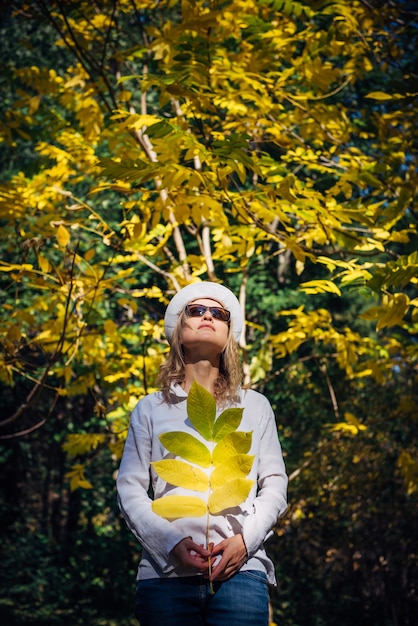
<point x="203" y="372"/>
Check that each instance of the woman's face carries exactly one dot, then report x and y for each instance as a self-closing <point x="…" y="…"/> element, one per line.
<point x="204" y="336"/>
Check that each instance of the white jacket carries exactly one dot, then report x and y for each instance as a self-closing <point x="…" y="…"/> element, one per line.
<point x="254" y="518"/>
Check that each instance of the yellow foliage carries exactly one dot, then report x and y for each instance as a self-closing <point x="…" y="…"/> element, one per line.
<point x="351" y="425"/>
<point x="79" y="444"/>
<point x="77" y="478"/>
<point x="409" y="468"/>
<point x="210" y="165"/>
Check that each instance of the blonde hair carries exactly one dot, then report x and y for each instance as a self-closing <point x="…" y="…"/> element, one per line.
<point x="230" y="372"/>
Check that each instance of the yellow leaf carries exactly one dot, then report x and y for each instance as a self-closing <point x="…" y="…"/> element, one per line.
<point x="68" y="374"/>
<point x="394" y="311"/>
<point x="353" y="275"/>
<point x="285" y="188"/>
<point x="63" y="236"/>
<point x="181" y="474"/>
<point x="34" y="104"/>
<point x="409" y="469"/>
<point x="124" y="95"/>
<point x="89" y="254"/>
<point x="232" y="444"/>
<point x="352" y="419"/>
<point x="110" y="327"/>
<point x="14" y="334"/>
<point x="332" y="263"/>
<point x="298" y="514"/>
<point x="44" y="264"/>
<point x="344" y="427"/>
<point x="379" y="95"/>
<point x="231" y="494"/>
<point x="77" y="478"/>
<point x="188" y="447"/>
<point x="139" y="231"/>
<point x="320" y="286"/>
<point x="237" y="466"/>
<point x="299" y="266"/>
<point x="174" y="507"/>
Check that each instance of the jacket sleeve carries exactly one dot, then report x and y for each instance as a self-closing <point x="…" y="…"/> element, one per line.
<point x="155" y="533"/>
<point x="271" y="499"/>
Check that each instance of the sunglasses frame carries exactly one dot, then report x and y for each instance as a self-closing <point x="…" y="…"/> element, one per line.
<point x="212" y="309"/>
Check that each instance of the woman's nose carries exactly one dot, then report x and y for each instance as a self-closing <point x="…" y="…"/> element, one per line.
<point x="207" y="314"/>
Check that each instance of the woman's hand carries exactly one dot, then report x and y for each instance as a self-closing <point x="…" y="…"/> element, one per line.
<point x="191" y="554"/>
<point x="233" y="556"/>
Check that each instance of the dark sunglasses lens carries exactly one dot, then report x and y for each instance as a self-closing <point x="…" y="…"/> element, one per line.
<point x="220" y="314"/>
<point x="198" y="310"/>
<point x="195" y="310"/>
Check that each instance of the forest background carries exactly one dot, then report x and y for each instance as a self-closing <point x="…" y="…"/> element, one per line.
<point x="270" y="146"/>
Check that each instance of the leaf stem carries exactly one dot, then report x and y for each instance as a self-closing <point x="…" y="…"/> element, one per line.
<point x="211" y="589"/>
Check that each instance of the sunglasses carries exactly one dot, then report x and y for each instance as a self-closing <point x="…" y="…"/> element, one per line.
<point x="199" y="310"/>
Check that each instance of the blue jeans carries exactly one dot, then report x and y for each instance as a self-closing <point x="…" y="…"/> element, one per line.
<point x="240" y="601"/>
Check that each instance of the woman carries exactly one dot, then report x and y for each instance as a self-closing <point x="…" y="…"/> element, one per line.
<point x="184" y="579"/>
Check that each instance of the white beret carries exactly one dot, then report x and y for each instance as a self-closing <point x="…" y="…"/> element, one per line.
<point x="192" y="292"/>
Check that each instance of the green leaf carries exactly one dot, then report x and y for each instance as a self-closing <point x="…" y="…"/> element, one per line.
<point x="227" y="422"/>
<point x="232" y="444"/>
<point x="160" y="129"/>
<point x="188" y="447"/>
<point x="181" y="474"/>
<point x="201" y="410"/>
<point x="174" y="507"/>
<point x="369" y="179"/>
<point x="231" y="494"/>
<point x="237" y="466"/>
